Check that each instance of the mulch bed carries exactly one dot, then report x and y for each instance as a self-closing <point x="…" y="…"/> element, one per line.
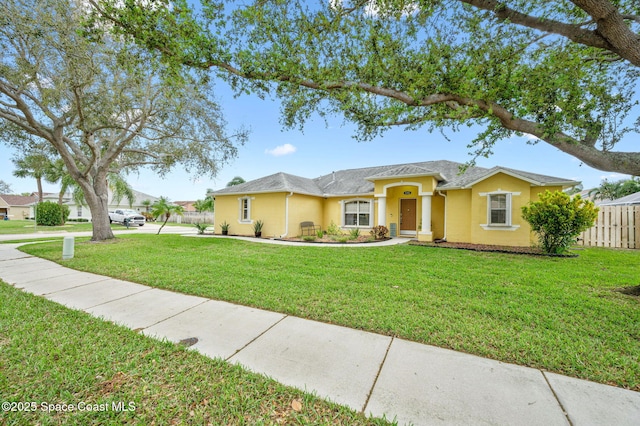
<point x="362" y="239"/>
<point x="532" y="251"/>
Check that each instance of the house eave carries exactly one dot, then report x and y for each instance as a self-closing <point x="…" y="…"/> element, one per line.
<point x="277" y="191"/>
<point x="436" y="175"/>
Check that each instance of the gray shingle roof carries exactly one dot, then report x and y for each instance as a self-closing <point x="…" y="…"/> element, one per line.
<point x="279" y="182"/>
<point x="624" y="201"/>
<point x="360" y="181"/>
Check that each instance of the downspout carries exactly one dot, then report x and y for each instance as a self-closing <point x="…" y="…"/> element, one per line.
<point x="286" y="215"/>
<point x="444" y="237"/>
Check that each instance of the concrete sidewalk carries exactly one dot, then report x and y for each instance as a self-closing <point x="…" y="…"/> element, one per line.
<point x="375" y="374"/>
<point x="149" y="228"/>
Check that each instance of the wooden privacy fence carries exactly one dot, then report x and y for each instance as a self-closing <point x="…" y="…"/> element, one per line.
<point x="616" y="226"/>
<point x="192" y="217"/>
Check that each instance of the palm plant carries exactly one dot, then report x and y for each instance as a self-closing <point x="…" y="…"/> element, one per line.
<point x="205" y="205"/>
<point x="163" y="207"/>
<point x="616" y="189"/>
<point x="147" y="205"/>
<point x="34" y="166"/>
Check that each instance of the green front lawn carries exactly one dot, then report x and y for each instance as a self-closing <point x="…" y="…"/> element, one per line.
<point x="27" y="227"/>
<point x="557" y="314"/>
<point x="51" y="355"/>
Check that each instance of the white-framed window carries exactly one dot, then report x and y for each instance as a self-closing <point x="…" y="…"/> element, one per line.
<point x="79" y="210"/>
<point x="499" y="209"/>
<point x="245" y="209"/>
<point x="358" y="213"/>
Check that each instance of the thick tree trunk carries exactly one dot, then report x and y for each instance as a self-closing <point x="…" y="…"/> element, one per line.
<point x="97" y="198"/>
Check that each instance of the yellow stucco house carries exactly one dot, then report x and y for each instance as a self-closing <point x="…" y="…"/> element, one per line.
<point x="429" y="201"/>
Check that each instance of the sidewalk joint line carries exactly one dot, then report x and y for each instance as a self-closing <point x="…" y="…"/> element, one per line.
<point x="176" y="314"/>
<point x="119" y="298"/>
<point x="75" y="286"/>
<point x="257" y="337"/>
<point x="375" y="381"/>
<point x="566" y="414"/>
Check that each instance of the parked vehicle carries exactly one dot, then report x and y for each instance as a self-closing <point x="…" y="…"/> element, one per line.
<point x="131" y="216"/>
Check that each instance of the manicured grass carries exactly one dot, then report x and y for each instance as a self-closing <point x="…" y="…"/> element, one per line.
<point x="27" y="227"/>
<point x="557" y="314"/>
<point x="51" y="355"/>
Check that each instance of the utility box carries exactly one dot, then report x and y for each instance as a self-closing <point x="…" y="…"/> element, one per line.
<point x="67" y="248"/>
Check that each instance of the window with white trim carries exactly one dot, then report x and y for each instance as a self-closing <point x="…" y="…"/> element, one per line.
<point x="357" y="213"/>
<point x="499" y="210"/>
<point x="79" y="211"/>
<point x="245" y="209"/>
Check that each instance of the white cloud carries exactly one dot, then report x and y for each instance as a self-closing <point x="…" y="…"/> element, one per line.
<point x="614" y="176"/>
<point x="281" y="150"/>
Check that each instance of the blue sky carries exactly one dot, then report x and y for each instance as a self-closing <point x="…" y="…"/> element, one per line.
<point x="321" y="149"/>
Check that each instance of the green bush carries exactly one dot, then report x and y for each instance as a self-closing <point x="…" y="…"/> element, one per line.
<point x="201" y="227"/>
<point x="334" y="229"/>
<point x="558" y="219"/>
<point x="51" y="214"/>
<point x="354" y="233"/>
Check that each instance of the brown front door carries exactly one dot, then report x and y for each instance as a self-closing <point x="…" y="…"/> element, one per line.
<point x="408" y="214"/>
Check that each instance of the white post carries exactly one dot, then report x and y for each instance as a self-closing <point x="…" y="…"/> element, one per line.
<point x="426" y="215"/>
<point x="382" y="211"/>
<point x="67" y="248"/>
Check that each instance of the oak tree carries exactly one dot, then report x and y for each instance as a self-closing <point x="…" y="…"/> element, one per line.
<point x="562" y="71"/>
<point x="104" y="105"/>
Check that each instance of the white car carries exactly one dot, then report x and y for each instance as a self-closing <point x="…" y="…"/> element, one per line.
<point x="131" y="216"/>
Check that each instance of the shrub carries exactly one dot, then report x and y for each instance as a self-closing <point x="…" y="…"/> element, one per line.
<point x="354" y="233"/>
<point x="51" y="214"/>
<point x="148" y="217"/>
<point x="319" y="233"/>
<point x="309" y="238"/>
<point x="379" y="232"/>
<point x="334" y="229"/>
<point x="558" y="219"/>
<point x="201" y="227"/>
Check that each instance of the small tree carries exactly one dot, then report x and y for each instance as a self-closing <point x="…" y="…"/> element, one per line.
<point x="163" y="207"/>
<point x="558" y="219"/>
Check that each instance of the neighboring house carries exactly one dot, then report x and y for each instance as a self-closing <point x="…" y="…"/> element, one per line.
<point x="81" y="211"/>
<point x="16" y="207"/>
<point x="429" y="200"/>
<point x="137" y="205"/>
<point x="629" y="200"/>
<point x="186" y="205"/>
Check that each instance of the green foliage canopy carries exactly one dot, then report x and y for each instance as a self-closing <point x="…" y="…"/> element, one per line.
<point x="562" y="71"/>
<point x="103" y="104"/>
<point x="617" y="189"/>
